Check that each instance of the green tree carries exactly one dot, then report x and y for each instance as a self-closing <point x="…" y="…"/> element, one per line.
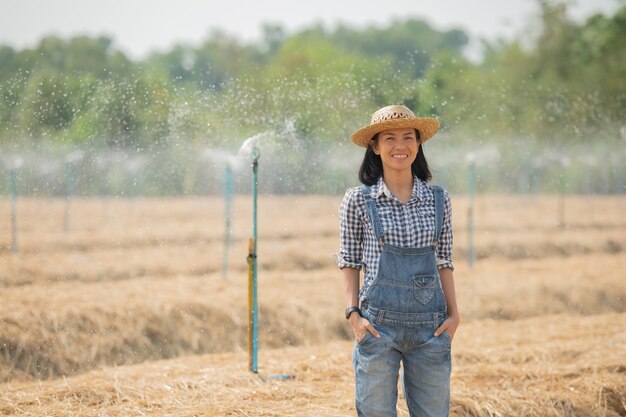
<point x="126" y="113"/>
<point x="47" y="105"/>
<point x="408" y="44"/>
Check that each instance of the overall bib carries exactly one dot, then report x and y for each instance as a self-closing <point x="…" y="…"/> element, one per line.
<point x="405" y="304"/>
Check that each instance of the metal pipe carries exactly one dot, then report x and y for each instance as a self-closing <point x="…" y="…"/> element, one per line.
<point x="251" y="355"/>
<point x="14" y="210"/>
<point x="255" y="310"/>
<point x="69" y="178"/>
<point x="228" y="198"/>
<point x="470" y="213"/>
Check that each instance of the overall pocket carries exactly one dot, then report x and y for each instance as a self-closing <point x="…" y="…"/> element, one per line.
<point x="424" y="288"/>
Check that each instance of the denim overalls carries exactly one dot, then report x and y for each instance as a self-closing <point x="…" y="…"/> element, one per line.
<point x="405" y="304"/>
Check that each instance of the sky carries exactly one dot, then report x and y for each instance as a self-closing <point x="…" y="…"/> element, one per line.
<point x="139" y="27"/>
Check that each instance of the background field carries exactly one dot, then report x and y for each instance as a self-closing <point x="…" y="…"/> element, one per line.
<point x="127" y="312"/>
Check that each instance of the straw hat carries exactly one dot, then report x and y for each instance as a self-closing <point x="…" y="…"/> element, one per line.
<point x="395" y="116"/>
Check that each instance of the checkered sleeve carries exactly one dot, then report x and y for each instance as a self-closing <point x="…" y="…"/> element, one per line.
<point x="350" y="231"/>
<point x="444" y="247"/>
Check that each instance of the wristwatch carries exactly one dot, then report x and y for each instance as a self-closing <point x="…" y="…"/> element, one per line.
<point x="351" y="310"/>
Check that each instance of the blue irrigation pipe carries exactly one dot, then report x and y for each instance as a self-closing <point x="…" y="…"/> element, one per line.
<point x="14" y="210"/>
<point x="255" y="311"/>
<point x="561" y="205"/>
<point x="69" y="178"/>
<point x="228" y="198"/>
<point x="470" y="213"/>
<point x="619" y="177"/>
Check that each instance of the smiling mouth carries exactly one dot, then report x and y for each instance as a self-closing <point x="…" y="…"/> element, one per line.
<point x="399" y="156"/>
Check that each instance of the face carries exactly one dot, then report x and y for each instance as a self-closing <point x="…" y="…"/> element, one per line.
<point x="397" y="148"/>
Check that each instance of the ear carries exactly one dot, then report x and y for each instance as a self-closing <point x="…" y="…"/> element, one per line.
<point x="374" y="145"/>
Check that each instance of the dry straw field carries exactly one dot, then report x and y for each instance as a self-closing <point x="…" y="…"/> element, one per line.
<point x="127" y="313"/>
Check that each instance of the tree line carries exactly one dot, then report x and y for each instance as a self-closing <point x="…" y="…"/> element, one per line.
<point x="563" y="81"/>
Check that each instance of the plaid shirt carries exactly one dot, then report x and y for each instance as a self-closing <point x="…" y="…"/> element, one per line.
<point x="405" y="225"/>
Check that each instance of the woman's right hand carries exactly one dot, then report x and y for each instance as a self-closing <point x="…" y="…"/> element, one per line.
<point x="360" y="325"/>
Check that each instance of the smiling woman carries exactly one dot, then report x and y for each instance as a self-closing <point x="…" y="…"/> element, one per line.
<point x="398" y="229"/>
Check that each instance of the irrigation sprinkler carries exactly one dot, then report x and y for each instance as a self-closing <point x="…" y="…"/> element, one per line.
<point x="133" y="166"/>
<point x="618" y="173"/>
<point x="70" y="180"/>
<point x="253" y="329"/>
<point x="232" y="164"/>
<point x="590" y="162"/>
<point x="228" y="198"/>
<point x="471" y="189"/>
<point x="14" y="210"/>
<point x="13" y="162"/>
<point x="562" y="185"/>
<point x="251" y="147"/>
<point x="473" y="159"/>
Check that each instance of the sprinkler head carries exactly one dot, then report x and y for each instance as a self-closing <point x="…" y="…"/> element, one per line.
<point x="74" y="156"/>
<point x="256" y="153"/>
<point x="13" y="162"/>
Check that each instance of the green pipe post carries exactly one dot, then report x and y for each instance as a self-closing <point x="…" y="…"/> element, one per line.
<point x="69" y="179"/>
<point x="470" y="212"/>
<point x="255" y="310"/>
<point x="561" y="205"/>
<point x="228" y="197"/>
<point x="618" y="169"/>
<point x="14" y="210"/>
<point x="535" y="178"/>
<point x="562" y="189"/>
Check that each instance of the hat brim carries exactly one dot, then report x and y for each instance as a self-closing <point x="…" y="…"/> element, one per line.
<point x="427" y="126"/>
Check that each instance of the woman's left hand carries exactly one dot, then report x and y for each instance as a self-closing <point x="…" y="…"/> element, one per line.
<point x="449" y="325"/>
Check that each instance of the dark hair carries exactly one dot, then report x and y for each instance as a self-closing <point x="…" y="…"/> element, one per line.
<point x="372" y="166"/>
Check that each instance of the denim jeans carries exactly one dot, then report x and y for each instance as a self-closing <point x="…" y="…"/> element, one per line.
<point x="426" y="362"/>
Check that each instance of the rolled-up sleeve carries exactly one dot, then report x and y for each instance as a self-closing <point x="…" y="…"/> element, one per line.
<point x="444" y="246"/>
<point x="350" y="232"/>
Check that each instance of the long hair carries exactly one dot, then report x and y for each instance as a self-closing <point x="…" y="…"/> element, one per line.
<point x="372" y="166"/>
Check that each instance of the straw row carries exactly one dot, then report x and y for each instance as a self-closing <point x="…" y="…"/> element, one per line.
<point x="510" y="222"/>
<point x="554" y="365"/>
<point x="66" y="328"/>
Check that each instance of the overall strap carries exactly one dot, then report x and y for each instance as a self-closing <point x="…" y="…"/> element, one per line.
<point x="438" y="192"/>
<point x="370" y="206"/>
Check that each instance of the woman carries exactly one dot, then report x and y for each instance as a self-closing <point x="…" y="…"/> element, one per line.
<point x="397" y="229"/>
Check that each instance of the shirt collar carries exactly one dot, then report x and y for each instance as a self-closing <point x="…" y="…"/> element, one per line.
<point x="419" y="189"/>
